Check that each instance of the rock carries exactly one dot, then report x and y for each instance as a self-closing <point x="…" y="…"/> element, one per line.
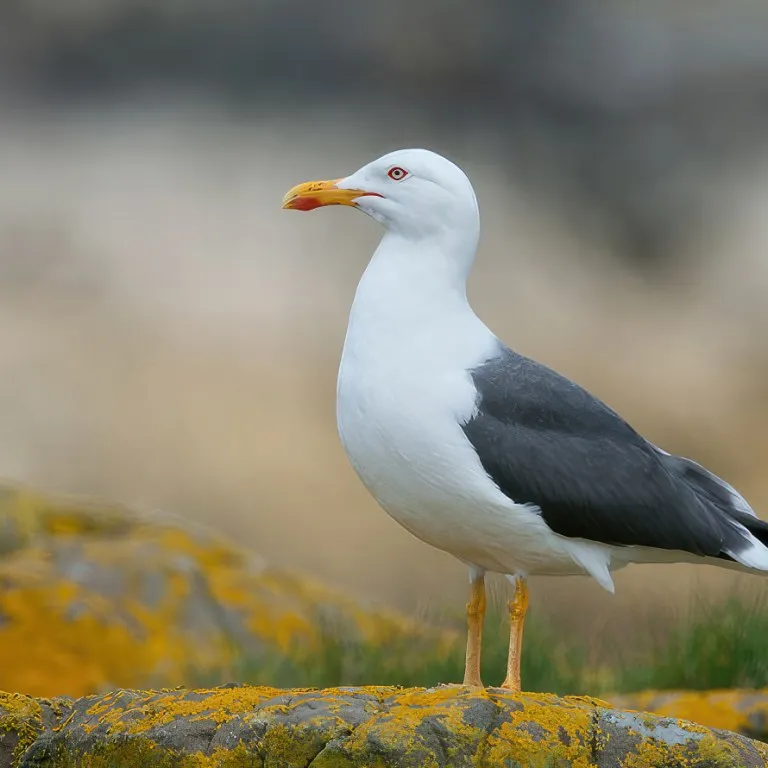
<point x="96" y="596"/>
<point x="236" y="726"/>
<point x="743" y="711"/>
<point x="23" y="720"/>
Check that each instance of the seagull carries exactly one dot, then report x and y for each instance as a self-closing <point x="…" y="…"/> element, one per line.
<point x="484" y="453"/>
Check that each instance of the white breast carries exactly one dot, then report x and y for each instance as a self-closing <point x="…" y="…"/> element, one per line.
<point x="405" y="441"/>
<point x="404" y="390"/>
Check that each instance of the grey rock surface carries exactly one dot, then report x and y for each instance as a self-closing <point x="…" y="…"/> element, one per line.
<point x="353" y="727"/>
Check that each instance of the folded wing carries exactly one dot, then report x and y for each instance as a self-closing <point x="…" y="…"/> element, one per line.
<point x="547" y="442"/>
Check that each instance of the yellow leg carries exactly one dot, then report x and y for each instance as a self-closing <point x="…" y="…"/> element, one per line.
<point x="518" y="606"/>
<point x="475" y="616"/>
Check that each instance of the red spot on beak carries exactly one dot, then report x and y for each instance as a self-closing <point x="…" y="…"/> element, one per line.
<point x="306" y="204"/>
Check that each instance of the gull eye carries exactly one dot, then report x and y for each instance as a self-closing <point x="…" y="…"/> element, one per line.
<point x="397" y="173"/>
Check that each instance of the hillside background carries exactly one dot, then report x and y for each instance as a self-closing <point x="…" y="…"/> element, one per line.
<point x="169" y="337"/>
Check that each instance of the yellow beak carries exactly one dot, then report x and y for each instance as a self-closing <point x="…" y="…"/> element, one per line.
<point x="314" y="194"/>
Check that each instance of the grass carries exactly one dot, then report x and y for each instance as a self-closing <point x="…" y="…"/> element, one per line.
<point x="712" y="645"/>
<point x="553" y="665"/>
<point x="715" y="645"/>
<point x="341" y="663"/>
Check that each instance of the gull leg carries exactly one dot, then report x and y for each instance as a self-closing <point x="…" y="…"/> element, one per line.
<point x="518" y="606"/>
<point x="475" y="616"/>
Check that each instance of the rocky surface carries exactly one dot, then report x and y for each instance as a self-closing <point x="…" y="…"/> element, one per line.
<point x="95" y="596"/>
<point x="235" y="726"/>
<point x="743" y="711"/>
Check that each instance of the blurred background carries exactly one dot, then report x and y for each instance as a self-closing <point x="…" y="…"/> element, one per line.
<point x="169" y="337"/>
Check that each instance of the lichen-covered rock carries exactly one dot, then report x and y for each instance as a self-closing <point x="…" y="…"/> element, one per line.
<point x="743" y="711"/>
<point x="96" y="596"/>
<point x="23" y="720"/>
<point x="240" y="726"/>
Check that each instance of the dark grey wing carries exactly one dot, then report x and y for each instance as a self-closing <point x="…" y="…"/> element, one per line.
<point x="546" y="441"/>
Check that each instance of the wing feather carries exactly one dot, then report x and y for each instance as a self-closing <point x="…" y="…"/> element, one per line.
<point x="546" y="441"/>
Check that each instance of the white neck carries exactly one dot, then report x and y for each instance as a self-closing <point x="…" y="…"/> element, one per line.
<point x="413" y="296"/>
<point x="428" y="273"/>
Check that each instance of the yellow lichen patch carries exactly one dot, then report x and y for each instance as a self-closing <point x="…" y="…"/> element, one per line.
<point x="96" y="597"/>
<point x="762" y="748"/>
<point x="418" y="698"/>
<point x="717" y="711"/>
<point x="29" y="514"/>
<point x="590" y="701"/>
<point x="411" y="718"/>
<point x="377" y="691"/>
<point x="709" y="752"/>
<point x="162" y="707"/>
<point x="724" y="709"/>
<point x="68" y="640"/>
<point x="544" y="731"/>
<point x="22" y="716"/>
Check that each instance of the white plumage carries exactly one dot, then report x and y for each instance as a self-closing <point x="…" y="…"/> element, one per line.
<point x="403" y="393"/>
<point x="481" y="452"/>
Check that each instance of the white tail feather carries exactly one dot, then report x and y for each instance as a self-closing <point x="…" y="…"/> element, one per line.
<point x="755" y="555"/>
<point x="594" y="559"/>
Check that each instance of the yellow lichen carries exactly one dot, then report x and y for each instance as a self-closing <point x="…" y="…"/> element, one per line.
<point x="30" y="514"/>
<point x="22" y="716"/>
<point x="79" y="618"/>
<point x="546" y="731"/>
<point x="429" y="728"/>
<point x="708" y="751"/>
<point x="410" y="708"/>
<point x="541" y="730"/>
<point x="163" y="707"/>
<point x="88" y="652"/>
<point x="724" y="709"/>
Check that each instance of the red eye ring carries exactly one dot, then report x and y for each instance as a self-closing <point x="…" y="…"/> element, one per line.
<point x="397" y="173"/>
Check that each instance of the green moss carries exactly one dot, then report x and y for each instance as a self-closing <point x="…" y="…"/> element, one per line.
<point x="141" y="753"/>
<point x="288" y="747"/>
<point x="239" y="757"/>
<point x="136" y="753"/>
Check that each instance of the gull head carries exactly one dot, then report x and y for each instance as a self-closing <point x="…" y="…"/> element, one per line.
<point x="414" y="192"/>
